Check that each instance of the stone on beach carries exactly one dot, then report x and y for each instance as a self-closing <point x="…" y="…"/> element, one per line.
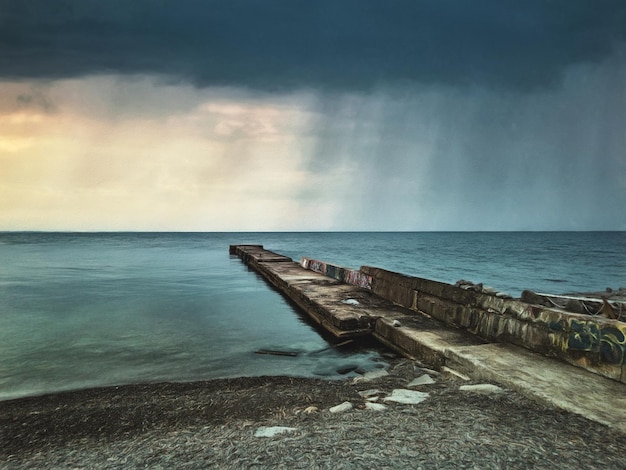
<point x="481" y="388"/>
<point x="407" y="397"/>
<point x="421" y="380"/>
<point x="375" y="406"/>
<point x="271" y="431"/>
<point x="345" y="406"/>
<point x="369" y="393"/>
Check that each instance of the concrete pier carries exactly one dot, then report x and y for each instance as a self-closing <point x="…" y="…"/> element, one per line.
<point x="324" y="299"/>
<point x="540" y="352"/>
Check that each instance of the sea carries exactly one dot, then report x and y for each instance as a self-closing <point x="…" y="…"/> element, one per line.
<point x="81" y="310"/>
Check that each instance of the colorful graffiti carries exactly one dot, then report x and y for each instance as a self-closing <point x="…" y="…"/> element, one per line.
<point x="608" y="340"/>
<point x="336" y="272"/>
<point x="358" y="278"/>
<point x="317" y="266"/>
<point x="349" y="276"/>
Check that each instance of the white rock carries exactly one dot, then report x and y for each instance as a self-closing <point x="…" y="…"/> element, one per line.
<point x="396" y="323"/>
<point x="481" y="388"/>
<point x="350" y="302"/>
<point x="371" y="375"/>
<point x="421" y="380"/>
<point x="408" y="397"/>
<point x="369" y="393"/>
<point x="375" y="406"/>
<point x="271" y="431"/>
<point x="345" y="406"/>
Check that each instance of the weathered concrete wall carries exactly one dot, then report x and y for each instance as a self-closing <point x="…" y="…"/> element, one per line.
<point x="354" y="277"/>
<point x="594" y="343"/>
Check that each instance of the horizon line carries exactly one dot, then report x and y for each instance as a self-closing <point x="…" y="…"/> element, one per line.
<point x="312" y="231"/>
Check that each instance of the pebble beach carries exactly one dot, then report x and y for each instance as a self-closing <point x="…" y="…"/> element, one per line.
<point x="282" y="422"/>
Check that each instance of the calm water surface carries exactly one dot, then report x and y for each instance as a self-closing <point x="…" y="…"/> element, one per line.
<point x="82" y="310"/>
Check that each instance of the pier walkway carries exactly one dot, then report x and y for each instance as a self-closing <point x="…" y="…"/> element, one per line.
<point x="348" y="310"/>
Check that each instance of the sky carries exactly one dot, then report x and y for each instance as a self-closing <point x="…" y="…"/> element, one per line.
<point x="293" y="115"/>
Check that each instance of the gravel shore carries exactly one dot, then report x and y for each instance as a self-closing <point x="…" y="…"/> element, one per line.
<point x="213" y="424"/>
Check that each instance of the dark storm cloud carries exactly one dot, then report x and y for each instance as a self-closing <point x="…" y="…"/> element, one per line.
<point x="324" y="44"/>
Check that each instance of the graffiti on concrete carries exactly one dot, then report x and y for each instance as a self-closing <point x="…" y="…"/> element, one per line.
<point x="349" y="276"/>
<point x="613" y="344"/>
<point x="584" y="336"/>
<point x="336" y="272"/>
<point x="358" y="278"/>
<point x="317" y="266"/>
<point x="314" y="265"/>
<point x="608" y="340"/>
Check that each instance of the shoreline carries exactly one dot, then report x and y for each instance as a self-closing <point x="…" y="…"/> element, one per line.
<point x="56" y="419"/>
<point x="214" y="422"/>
